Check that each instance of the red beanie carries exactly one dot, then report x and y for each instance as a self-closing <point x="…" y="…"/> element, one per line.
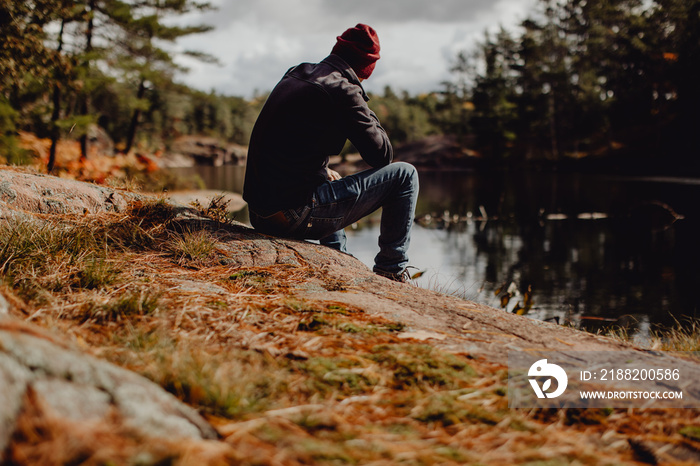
<point x="359" y="47"/>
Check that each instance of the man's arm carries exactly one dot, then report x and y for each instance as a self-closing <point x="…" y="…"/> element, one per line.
<point x="365" y="132"/>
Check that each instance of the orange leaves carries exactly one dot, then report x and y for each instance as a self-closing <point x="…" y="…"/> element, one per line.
<point x="97" y="167"/>
<point x="668" y="56"/>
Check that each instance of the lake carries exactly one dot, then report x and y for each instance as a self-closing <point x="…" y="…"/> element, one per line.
<point x="590" y="251"/>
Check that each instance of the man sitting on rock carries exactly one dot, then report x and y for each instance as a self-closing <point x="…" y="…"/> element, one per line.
<point x="308" y="116"/>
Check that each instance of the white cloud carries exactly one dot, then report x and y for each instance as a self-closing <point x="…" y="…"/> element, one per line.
<point x="256" y="41"/>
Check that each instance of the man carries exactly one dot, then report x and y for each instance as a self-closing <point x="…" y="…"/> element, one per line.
<point x="308" y="116"/>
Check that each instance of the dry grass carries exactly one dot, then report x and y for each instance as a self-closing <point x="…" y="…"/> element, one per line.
<point x="684" y="336"/>
<point x="284" y="378"/>
<point x="192" y="246"/>
<point x="681" y="337"/>
<point x="216" y="210"/>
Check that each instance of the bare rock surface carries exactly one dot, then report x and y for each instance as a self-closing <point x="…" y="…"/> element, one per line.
<point x="71" y="385"/>
<point x="44" y="194"/>
<point x="468" y="326"/>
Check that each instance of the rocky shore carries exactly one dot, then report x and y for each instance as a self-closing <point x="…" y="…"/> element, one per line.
<point x="135" y="329"/>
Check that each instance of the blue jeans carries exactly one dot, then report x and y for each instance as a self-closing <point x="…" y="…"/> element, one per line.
<point x="337" y="204"/>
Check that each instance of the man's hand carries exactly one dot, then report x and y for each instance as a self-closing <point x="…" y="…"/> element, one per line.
<point x="332" y="175"/>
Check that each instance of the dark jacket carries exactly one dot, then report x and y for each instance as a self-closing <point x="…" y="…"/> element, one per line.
<point x="308" y="117"/>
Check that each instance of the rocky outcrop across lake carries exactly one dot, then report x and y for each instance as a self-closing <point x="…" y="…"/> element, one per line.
<point x="438" y="152"/>
<point x="188" y="151"/>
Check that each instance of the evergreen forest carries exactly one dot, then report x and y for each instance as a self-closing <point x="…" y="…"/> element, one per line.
<point x="587" y="82"/>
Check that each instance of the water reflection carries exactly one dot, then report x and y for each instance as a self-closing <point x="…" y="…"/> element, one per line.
<point x="594" y="251"/>
<point x="226" y="178"/>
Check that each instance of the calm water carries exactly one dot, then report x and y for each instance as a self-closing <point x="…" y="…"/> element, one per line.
<point x="594" y="251"/>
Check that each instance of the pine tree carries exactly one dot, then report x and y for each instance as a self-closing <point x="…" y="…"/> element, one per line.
<point x="143" y="61"/>
<point x="494" y="95"/>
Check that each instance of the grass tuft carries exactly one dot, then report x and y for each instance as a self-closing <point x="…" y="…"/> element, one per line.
<point x="681" y="337"/>
<point x="230" y="384"/>
<point x="422" y="365"/>
<point x="445" y="409"/>
<point x="691" y="432"/>
<point x="339" y="375"/>
<point x="217" y="209"/>
<point x="192" y="246"/>
<point x="127" y="306"/>
<point x="39" y="258"/>
<point x="97" y="274"/>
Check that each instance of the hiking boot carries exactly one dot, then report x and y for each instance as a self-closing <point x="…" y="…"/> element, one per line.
<point x="402" y="277"/>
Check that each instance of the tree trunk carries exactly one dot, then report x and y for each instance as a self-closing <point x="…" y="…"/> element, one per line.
<point x="55" y="132"/>
<point x="55" y="115"/>
<point x="553" y="126"/>
<point x="135" y="118"/>
<point x="85" y="107"/>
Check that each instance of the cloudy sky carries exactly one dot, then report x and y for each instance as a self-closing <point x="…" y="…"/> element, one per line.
<point x="256" y="41"/>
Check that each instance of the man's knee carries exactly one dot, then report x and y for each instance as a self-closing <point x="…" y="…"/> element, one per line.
<point x="407" y="172"/>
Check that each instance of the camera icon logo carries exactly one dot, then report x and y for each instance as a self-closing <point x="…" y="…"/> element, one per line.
<point x="542" y="368"/>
